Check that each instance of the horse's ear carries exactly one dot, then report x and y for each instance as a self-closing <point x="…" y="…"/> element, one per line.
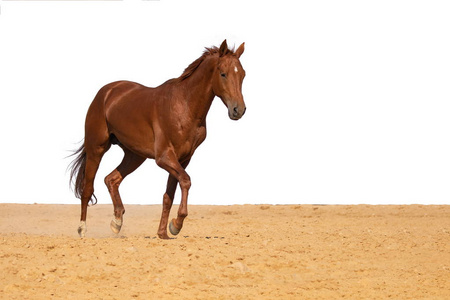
<point x="223" y="48"/>
<point x="240" y="50"/>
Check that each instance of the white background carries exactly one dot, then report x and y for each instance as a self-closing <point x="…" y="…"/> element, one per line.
<point x="348" y="102"/>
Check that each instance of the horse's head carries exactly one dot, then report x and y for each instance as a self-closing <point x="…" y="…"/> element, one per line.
<point x="227" y="80"/>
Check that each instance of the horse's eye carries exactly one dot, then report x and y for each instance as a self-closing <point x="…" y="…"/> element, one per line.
<point x="223" y="75"/>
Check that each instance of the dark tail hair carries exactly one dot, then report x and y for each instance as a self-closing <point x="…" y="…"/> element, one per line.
<point x="77" y="173"/>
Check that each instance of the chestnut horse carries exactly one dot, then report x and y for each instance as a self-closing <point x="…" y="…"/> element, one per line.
<point x="166" y="123"/>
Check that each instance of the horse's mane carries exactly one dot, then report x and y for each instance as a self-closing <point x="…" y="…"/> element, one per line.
<point x="196" y="63"/>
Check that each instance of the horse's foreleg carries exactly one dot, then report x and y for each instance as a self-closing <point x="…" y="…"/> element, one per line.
<point x="167" y="205"/>
<point x="129" y="164"/>
<point x="169" y="162"/>
<point x="176" y="224"/>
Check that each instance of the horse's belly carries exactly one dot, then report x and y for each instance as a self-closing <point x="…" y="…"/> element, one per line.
<point x="133" y="133"/>
<point x="142" y="145"/>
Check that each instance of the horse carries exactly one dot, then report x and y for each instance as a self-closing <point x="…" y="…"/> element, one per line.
<point x="166" y="123"/>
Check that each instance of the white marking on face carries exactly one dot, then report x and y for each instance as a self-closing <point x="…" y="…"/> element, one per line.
<point x="235" y="69"/>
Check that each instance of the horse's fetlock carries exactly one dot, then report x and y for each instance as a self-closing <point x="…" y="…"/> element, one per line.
<point x="119" y="212"/>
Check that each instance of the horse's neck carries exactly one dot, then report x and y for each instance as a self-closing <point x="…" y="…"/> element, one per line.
<point x="198" y="89"/>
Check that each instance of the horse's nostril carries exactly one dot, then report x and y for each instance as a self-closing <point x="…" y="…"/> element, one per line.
<point x="235" y="112"/>
<point x="245" y="108"/>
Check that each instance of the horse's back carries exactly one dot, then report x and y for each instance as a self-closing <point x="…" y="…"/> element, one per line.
<point x="118" y="90"/>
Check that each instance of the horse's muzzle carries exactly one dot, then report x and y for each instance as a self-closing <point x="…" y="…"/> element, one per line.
<point x="236" y="112"/>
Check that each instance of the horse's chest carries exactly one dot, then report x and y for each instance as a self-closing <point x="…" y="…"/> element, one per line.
<point x="191" y="142"/>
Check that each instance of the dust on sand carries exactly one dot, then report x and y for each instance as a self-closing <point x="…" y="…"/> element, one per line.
<point x="227" y="252"/>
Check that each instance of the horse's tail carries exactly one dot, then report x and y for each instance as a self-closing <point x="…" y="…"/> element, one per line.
<point x="77" y="173"/>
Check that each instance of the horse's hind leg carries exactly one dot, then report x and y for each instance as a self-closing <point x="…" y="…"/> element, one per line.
<point x="130" y="162"/>
<point x="93" y="159"/>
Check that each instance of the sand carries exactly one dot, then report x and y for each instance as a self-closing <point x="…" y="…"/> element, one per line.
<point x="227" y="252"/>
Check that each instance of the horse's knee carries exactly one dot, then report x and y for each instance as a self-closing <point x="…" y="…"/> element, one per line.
<point x="167" y="162"/>
<point x="185" y="182"/>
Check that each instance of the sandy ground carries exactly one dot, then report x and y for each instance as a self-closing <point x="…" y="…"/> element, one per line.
<point x="227" y="252"/>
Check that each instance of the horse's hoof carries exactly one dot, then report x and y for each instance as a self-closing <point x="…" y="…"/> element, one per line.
<point x="116" y="225"/>
<point x="82" y="229"/>
<point x="173" y="230"/>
